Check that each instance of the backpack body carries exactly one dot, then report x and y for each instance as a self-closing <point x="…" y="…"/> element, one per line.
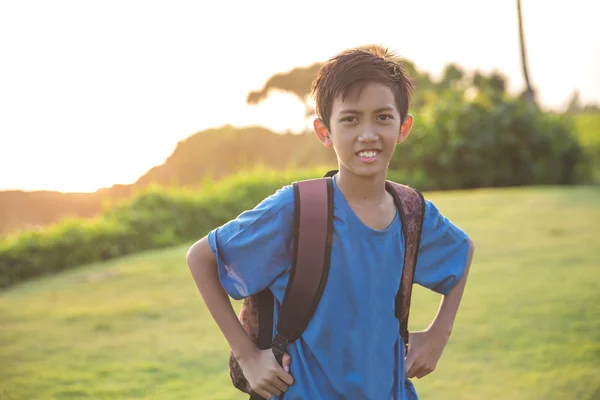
<point x="313" y="229"/>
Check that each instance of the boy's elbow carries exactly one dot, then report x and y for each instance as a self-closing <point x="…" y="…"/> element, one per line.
<point x="191" y="255"/>
<point x="471" y="246"/>
<point x="471" y="251"/>
<point x="198" y="254"/>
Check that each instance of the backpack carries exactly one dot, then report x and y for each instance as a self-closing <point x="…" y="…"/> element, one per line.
<point x="313" y="229"/>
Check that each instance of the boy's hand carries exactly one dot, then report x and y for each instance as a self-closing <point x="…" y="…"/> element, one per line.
<point x="265" y="375"/>
<point x="424" y="351"/>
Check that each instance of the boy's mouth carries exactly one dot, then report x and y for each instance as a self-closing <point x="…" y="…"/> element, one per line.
<point x="368" y="155"/>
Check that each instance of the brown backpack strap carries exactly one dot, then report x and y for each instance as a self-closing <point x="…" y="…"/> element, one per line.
<point x="266" y="304"/>
<point x="411" y="204"/>
<point x="313" y="228"/>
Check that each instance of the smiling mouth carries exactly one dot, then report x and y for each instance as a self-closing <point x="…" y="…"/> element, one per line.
<point x="368" y="155"/>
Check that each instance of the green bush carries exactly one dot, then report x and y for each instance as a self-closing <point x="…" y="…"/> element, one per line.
<point x="587" y="126"/>
<point x="457" y="144"/>
<point x="154" y="218"/>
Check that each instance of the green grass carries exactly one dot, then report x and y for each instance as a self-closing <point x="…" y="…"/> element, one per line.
<point x="136" y="328"/>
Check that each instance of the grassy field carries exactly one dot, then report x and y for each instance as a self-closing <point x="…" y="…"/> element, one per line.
<point x="136" y="328"/>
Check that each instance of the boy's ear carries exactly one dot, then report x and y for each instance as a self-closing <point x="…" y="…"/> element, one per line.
<point x="322" y="132"/>
<point x="405" y="128"/>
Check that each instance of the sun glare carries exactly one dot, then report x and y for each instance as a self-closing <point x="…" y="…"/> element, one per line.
<point x="116" y="107"/>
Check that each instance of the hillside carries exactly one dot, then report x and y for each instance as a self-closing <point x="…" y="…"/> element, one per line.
<point x="216" y="153"/>
<point x="26" y="210"/>
<point x="136" y="327"/>
<point x="213" y="153"/>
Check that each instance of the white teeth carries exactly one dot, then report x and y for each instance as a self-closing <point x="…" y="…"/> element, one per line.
<point x="367" y="154"/>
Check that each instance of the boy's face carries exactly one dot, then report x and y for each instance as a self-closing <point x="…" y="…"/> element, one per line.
<point x="364" y="130"/>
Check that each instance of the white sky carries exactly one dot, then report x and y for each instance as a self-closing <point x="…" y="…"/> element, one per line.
<point x="94" y="93"/>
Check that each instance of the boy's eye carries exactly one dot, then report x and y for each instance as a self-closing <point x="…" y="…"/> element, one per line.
<point x="386" y="117"/>
<point x="348" y="119"/>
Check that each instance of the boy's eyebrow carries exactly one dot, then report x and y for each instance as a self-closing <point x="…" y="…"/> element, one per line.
<point x="353" y="111"/>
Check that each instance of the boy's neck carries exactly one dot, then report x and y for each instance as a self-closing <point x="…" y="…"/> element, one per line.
<point x="358" y="188"/>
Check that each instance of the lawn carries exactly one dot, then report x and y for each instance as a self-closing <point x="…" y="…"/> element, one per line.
<point x="136" y="328"/>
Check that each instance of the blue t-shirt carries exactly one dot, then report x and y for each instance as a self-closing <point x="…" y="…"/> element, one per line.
<point x="352" y="348"/>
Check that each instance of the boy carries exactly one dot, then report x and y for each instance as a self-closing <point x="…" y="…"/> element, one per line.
<point x="352" y="348"/>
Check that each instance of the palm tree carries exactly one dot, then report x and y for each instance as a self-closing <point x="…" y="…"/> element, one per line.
<point x="529" y="93"/>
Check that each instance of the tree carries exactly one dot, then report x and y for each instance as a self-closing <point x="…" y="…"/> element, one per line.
<point x="491" y="86"/>
<point x="529" y="92"/>
<point x="296" y="82"/>
<point x="451" y="77"/>
<point x="574" y="105"/>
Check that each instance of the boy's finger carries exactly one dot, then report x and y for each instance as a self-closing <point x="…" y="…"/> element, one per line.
<point x="279" y="384"/>
<point x="271" y="389"/>
<point x="421" y="373"/>
<point x="286" y="361"/>
<point x="410" y="359"/>
<point x="416" y="373"/>
<point x="412" y="369"/>
<point x="262" y="393"/>
<point x="285" y="376"/>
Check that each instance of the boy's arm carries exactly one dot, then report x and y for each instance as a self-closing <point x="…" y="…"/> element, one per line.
<point x="203" y="266"/>
<point x="425" y="348"/>
<point x="260" y="368"/>
<point x="444" y="320"/>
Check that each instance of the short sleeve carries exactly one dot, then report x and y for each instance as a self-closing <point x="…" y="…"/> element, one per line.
<point x="443" y="252"/>
<point x="255" y="248"/>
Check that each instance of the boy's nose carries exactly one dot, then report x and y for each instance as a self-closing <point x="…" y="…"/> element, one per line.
<point x="368" y="135"/>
